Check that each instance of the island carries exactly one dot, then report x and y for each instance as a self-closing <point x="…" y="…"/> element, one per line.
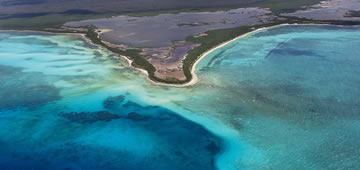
<point x="169" y="84"/>
<point x="167" y="45"/>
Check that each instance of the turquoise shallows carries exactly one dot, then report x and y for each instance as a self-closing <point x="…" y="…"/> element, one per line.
<point x="65" y="105"/>
<point x="282" y="98"/>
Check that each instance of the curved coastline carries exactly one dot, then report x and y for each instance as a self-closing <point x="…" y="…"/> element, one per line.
<point x="229" y="138"/>
<point x="194" y="78"/>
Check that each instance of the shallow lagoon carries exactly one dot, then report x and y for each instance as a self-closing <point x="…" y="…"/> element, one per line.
<point x="61" y="108"/>
<point x="162" y="30"/>
<point x="284" y="98"/>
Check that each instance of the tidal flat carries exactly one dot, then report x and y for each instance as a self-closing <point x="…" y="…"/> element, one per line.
<point x="281" y="98"/>
<point x="161" y="30"/>
<point x="64" y="107"/>
<point x="162" y="39"/>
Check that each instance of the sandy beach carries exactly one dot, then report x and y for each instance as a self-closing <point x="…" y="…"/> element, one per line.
<point x="194" y="76"/>
<point x="193" y="69"/>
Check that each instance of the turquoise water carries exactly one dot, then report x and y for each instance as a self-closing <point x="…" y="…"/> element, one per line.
<point x="283" y="98"/>
<point x="64" y="105"/>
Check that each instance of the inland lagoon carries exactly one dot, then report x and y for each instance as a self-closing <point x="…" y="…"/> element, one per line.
<point x="280" y="98"/>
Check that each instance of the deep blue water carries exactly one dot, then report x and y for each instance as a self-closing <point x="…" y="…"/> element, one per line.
<point x="282" y="98"/>
<point x="50" y="119"/>
<point x="291" y="92"/>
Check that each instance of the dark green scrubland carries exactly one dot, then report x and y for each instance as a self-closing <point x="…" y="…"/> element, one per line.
<point x="211" y="40"/>
<point x="217" y="37"/>
<point x="138" y="60"/>
<point x="44" y="19"/>
<point x="54" y="13"/>
<point x="139" y="6"/>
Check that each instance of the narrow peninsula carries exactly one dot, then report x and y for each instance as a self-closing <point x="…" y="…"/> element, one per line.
<point x="205" y="43"/>
<point x="167" y="45"/>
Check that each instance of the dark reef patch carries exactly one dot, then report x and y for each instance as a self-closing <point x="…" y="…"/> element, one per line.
<point x="113" y="102"/>
<point x="20" y="89"/>
<point x="174" y="142"/>
<point x="131" y="104"/>
<point x="89" y="117"/>
<point x="136" y="117"/>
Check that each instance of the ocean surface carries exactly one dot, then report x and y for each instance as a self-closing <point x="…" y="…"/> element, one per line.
<point x="282" y="98"/>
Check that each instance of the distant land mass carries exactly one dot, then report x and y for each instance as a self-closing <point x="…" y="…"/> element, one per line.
<point x="179" y="84"/>
<point x="51" y="6"/>
<point x="165" y="38"/>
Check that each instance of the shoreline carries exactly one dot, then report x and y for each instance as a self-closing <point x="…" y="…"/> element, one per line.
<point x="194" y="79"/>
<point x="82" y="36"/>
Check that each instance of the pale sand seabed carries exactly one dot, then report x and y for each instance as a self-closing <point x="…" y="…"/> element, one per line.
<point x="193" y="69"/>
<point x="83" y="93"/>
<point x="211" y="125"/>
<point x="234" y="144"/>
<point x="194" y="79"/>
<point x="232" y="150"/>
<point x="194" y="76"/>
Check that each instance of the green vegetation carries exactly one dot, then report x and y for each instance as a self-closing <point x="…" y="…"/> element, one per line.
<point x="40" y="21"/>
<point x="216" y="37"/>
<point x="211" y="40"/>
<point x="138" y="60"/>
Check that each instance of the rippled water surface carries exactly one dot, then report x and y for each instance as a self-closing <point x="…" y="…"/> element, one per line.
<point x="283" y="98"/>
<point x="65" y="105"/>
